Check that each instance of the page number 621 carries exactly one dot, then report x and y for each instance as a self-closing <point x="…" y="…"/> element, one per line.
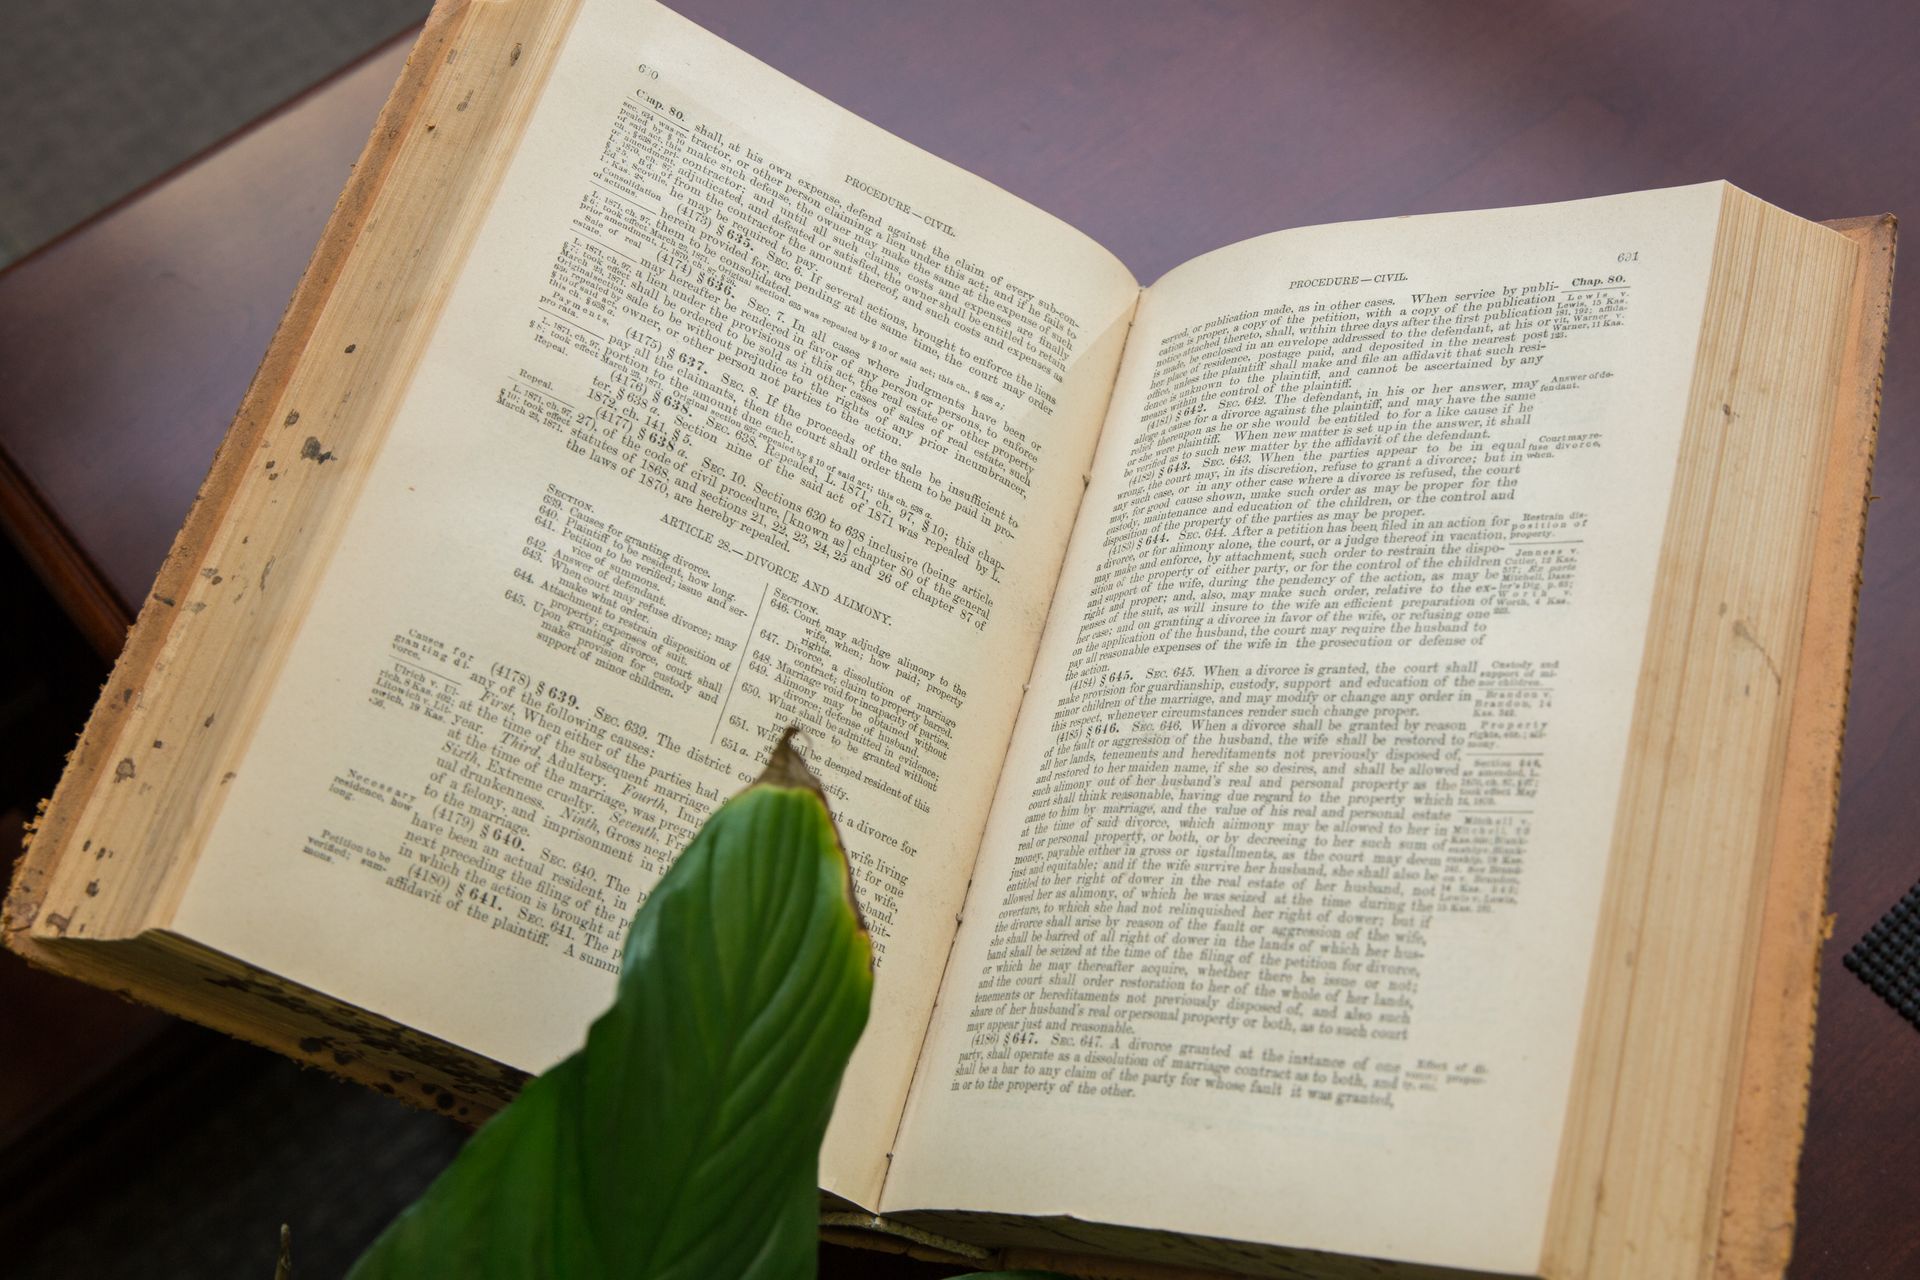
<point x="1631" y="255"/>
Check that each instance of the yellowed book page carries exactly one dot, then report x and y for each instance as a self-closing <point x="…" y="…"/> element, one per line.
<point x="742" y="412"/>
<point x="1281" y="926"/>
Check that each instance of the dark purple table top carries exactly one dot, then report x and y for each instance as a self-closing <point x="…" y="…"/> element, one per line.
<point x="1163" y="130"/>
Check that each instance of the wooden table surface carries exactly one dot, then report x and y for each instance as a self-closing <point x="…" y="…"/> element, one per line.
<point x="1163" y="130"/>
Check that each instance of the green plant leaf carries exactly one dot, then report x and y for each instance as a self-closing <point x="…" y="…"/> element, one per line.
<point x="682" y="1143"/>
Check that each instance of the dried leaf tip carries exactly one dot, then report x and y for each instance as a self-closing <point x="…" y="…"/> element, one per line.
<point x="785" y="768"/>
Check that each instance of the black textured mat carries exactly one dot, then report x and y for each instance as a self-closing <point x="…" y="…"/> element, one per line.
<point x="1888" y="958"/>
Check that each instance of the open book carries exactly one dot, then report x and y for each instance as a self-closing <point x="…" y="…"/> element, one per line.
<point x="1337" y="746"/>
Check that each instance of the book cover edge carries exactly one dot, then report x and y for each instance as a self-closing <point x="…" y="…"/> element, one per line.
<point x="1758" y="1192"/>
